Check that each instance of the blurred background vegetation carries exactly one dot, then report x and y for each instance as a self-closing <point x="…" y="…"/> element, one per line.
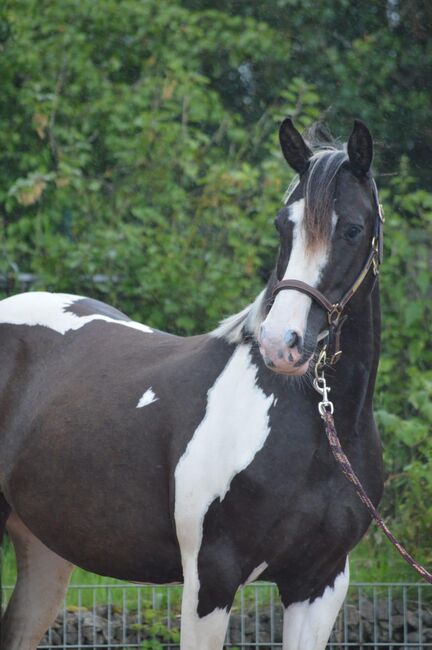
<point x="140" y="165"/>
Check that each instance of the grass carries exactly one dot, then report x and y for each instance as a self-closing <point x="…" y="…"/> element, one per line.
<point x="374" y="560"/>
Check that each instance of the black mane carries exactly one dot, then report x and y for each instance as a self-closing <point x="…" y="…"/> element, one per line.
<point x="320" y="184"/>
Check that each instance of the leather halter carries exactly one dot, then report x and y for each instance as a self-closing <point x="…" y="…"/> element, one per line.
<point x="335" y="311"/>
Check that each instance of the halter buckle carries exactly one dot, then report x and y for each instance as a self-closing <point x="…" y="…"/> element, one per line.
<point x="335" y="357"/>
<point x="335" y="314"/>
<point x="319" y="366"/>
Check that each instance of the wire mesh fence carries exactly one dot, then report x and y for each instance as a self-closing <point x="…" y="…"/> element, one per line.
<point x="375" y="615"/>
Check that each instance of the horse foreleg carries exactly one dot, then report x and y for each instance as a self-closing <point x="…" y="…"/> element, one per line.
<point x="307" y="625"/>
<point x="41" y="585"/>
<point x="202" y="630"/>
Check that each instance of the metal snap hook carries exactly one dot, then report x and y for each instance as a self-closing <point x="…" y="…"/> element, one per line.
<point x="320" y="385"/>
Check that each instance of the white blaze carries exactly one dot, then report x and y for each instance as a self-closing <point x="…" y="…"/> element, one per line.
<point x="291" y="308"/>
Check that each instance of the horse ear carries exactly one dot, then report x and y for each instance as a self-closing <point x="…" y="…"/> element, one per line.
<point x="294" y="148"/>
<point x="360" y="149"/>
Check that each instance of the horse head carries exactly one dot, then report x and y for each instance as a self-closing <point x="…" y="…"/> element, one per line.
<point x="329" y="231"/>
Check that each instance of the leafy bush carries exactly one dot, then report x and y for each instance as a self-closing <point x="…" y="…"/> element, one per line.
<point x="124" y="161"/>
<point x="404" y="394"/>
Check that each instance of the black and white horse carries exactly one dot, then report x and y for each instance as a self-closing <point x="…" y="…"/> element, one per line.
<point x="150" y="457"/>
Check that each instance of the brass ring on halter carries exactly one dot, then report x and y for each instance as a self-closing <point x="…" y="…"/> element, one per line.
<point x="335" y="314"/>
<point x="321" y="362"/>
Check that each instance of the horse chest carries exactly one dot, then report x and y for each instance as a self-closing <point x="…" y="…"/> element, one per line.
<point x="290" y="507"/>
<point x="233" y="430"/>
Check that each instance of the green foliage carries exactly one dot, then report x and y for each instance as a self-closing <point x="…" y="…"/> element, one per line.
<point x="125" y="162"/>
<point x="155" y="627"/>
<point x="404" y="394"/>
<point x="403" y="397"/>
<point x="365" y="59"/>
<point x="139" y="142"/>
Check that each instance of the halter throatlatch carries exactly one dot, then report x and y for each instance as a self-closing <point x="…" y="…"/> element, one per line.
<point x="335" y="311"/>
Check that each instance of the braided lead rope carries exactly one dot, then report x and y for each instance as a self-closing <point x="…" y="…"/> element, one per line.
<point x="348" y="471"/>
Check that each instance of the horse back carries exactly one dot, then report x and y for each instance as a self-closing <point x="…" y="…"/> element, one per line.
<point x="90" y="400"/>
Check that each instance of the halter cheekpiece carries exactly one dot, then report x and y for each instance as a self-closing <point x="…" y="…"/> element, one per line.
<point x="335" y="311"/>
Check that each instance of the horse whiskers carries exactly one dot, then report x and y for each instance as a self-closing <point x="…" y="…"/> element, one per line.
<point x="303" y="382"/>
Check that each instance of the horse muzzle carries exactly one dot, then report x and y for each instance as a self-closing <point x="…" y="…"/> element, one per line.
<point x="283" y="353"/>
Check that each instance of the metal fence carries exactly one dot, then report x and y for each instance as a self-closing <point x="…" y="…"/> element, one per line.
<point x="375" y="615"/>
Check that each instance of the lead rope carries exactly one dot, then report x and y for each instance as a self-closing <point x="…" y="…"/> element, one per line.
<point x="326" y="409"/>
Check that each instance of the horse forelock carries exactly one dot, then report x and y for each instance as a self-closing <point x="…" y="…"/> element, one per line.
<point x="319" y="193"/>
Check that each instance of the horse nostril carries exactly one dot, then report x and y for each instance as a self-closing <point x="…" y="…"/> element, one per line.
<point x="262" y="332"/>
<point x="292" y="339"/>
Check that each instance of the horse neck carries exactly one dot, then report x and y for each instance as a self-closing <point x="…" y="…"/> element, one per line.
<point x="355" y="375"/>
<point x="352" y="379"/>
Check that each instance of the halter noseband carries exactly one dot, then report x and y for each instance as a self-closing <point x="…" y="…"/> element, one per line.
<point x="335" y="315"/>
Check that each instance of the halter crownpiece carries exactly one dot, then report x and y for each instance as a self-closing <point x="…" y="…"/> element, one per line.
<point x="335" y="310"/>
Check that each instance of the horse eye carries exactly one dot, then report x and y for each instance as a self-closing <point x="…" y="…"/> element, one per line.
<point x="352" y="232"/>
<point x="280" y="224"/>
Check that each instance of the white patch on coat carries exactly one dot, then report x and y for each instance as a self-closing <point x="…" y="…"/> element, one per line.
<point x="308" y="625"/>
<point x="148" y="398"/>
<point x="206" y="633"/>
<point x="234" y="428"/>
<point x="256" y="573"/>
<point x="290" y="309"/>
<point x="48" y="310"/>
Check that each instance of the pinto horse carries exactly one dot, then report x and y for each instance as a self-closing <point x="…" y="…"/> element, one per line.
<point x="150" y="457"/>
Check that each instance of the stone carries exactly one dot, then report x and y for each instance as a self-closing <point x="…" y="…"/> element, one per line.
<point x="109" y="625"/>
